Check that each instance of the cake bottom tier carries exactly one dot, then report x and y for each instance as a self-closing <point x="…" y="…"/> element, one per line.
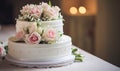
<point x="40" y="52"/>
<point x="42" y="64"/>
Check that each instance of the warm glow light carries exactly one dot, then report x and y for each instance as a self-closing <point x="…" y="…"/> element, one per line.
<point x="73" y="10"/>
<point x="82" y="9"/>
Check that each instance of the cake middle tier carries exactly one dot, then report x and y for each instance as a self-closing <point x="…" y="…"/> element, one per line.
<point x="40" y="52"/>
<point x="56" y="24"/>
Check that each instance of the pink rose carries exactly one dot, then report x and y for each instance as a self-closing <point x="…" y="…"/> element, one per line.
<point x="36" y="11"/>
<point x="51" y="12"/>
<point x="2" y="51"/>
<point x="25" y="8"/>
<point x="33" y="10"/>
<point x="20" y="35"/>
<point x="33" y="38"/>
<point x="49" y="35"/>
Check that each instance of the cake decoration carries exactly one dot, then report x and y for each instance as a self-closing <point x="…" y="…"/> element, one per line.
<point x="41" y="12"/>
<point x="78" y="56"/>
<point x="39" y="40"/>
<point x="2" y="50"/>
<point x="32" y="32"/>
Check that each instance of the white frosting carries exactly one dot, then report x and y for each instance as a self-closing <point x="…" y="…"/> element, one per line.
<point x="56" y="24"/>
<point x="40" y="52"/>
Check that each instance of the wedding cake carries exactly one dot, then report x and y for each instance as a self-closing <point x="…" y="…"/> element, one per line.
<point x="39" y="39"/>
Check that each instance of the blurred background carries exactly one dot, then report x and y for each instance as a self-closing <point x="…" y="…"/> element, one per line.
<point x="92" y="24"/>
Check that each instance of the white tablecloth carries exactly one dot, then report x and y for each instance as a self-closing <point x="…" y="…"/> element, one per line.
<point x="90" y="63"/>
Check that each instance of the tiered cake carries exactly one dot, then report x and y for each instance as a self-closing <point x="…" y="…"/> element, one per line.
<point x="39" y="39"/>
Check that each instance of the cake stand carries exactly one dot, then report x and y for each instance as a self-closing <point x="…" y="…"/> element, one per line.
<point x="42" y="64"/>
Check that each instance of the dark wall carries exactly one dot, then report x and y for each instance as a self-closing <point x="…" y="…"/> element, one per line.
<point x="9" y="9"/>
<point x="6" y="12"/>
<point x="107" y="41"/>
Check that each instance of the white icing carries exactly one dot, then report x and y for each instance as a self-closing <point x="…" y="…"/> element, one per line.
<point x="56" y="24"/>
<point x="40" y="52"/>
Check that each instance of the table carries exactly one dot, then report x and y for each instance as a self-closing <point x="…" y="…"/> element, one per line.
<point x="90" y="63"/>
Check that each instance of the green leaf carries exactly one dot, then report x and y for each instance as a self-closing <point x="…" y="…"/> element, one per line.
<point x="38" y="23"/>
<point x="49" y="3"/>
<point x="61" y="34"/>
<point x="6" y="48"/>
<point x="78" y="56"/>
<point x="74" y="50"/>
<point x="79" y="59"/>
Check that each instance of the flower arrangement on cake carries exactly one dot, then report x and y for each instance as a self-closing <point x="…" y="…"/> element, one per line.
<point x="3" y="50"/>
<point x="33" y="32"/>
<point x="41" y="12"/>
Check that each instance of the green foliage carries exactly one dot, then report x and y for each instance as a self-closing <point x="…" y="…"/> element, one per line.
<point x="49" y="3"/>
<point x="60" y="33"/>
<point x="6" y="48"/>
<point x="78" y="56"/>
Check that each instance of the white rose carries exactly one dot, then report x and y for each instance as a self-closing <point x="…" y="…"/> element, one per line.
<point x="45" y="6"/>
<point x="52" y="12"/>
<point x="49" y="35"/>
<point x="20" y="35"/>
<point x="32" y="27"/>
<point x="56" y="8"/>
<point x="21" y="25"/>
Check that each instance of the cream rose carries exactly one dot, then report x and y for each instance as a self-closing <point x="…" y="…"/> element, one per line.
<point x="45" y="6"/>
<point x="33" y="38"/>
<point x="20" y="35"/>
<point x="50" y="12"/>
<point x="49" y="35"/>
<point x="22" y="25"/>
<point x="36" y="11"/>
<point x="33" y="10"/>
<point x="32" y="27"/>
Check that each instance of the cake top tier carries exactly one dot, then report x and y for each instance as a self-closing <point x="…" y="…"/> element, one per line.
<point x="38" y="24"/>
<point x="40" y="12"/>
